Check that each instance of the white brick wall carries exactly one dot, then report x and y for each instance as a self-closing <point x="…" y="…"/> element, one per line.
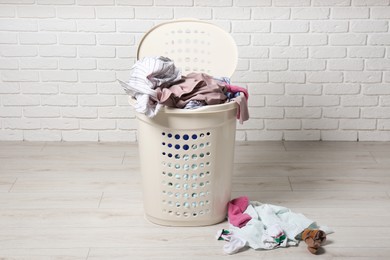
<point x="315" y="69"/>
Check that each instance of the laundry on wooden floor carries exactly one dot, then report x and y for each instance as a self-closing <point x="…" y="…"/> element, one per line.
<point x="265" y="226"/>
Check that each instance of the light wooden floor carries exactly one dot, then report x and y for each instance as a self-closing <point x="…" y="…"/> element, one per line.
<point x="84" y="201"/>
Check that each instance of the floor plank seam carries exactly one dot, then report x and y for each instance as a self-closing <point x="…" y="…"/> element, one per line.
<point x="13" y="184"/>
<point x="100" y="201"/>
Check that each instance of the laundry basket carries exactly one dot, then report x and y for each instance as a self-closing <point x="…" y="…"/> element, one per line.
<point x="186" y="156"/>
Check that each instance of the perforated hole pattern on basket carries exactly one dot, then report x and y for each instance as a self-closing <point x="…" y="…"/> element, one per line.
<point x="186" y="174"/>
<point x="190" y="48"/>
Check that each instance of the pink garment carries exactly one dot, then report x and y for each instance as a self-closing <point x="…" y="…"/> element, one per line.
<point x="236" y="208"/>
<point x="242" y="111"/>
<point x="235" y="89"/>
<point x="195" y="86"/>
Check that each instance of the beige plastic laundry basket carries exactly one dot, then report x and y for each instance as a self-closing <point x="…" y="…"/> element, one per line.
<point x="186" y="156"/>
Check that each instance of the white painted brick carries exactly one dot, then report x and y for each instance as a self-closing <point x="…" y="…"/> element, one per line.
<point x="271" y="39"/>
<point x="195" y="12"/>
<point x="256" y="101"/>
<point x="117" y="136"/>
<point x="59" y="100"/>
<point x="123" y="101"/>
<point x="242" y="65"/>
<point x="375" y="112"/>
<point x="264" y="89"/>
<point x="321" y="101"/>
<point x="9" y="64"/>
<point x="290" y="3"/>
<point x="173" y="2"/>
<point x="380" y="12"/>
<point x="95" y="2"/>
<point x="249" y="76"/>
<point x="115" y="39"/>
<point x="264" y="135"/>
<point x="18" y="51"/>
<point x="347" y="39"/>
<point x="9" y="88"/>
<point x="377" y="136"/>
<point x="289" y="52"/>
<point x="110" y="88"/>
<point x="55" y="2"/>
<point x="341" y="112"/>
<point x="79" y="112"/>
<point x="77" y="38"/>
<point x="78" y="88"/>
<point x="80" y="136"/>
<point x="320" y="124"/>
<point x="21" y="25"/>
<point x="114" y="64"/>
<point x="57" y="51"/>
<point x="363" y="77"/>
<point x="303" y="89"/>
<point x="96" y="26"/>
<point x="387" y="76"/>
<point x="251" y="27"/>
<point x="134" y="2"/>
<point x="268" y="65"/>
<point x="60" y="124"/>
<point x="38" y="63"/>
<point x="360" y="101"/>
<point x="302" y="135"/>
<point x="21" y="123"/>
<point x="341" y="89"/>
<point x="327" y="52"/>
<point x="116" y="112"/>
<point x="383" y="124"/>
<point x="232" y="13"/>
<point x="213" y="3"/>
<point x="72" y="12"/>
<point x="38" y="88"/>
<point x="39" y="112"/>
<point x="378" y="64"/>
<point x="252" y="3"/>
<point x="114" y="12"/>
<point x="287" y="77"/>
<point x="36" y="11"/>
<point x="96" y="52"/>
<point x="241" y="39"/>
<point x="42" y="135"/>
<point x="358" y="124"/>
<point x="290" y="26"/>
<point x="339" y="136"/>
<point x="18" y="75"/>
<point x="309" y="39"/>
<point x="126" y="52"/>
<point x="7" y="11"/>
<point x="10" y="112"/>
<point x="310" y="13"/>
<point x="304" y="112"/>
<point x="97" y="76"/>
<point x="283" y="124"/>
<point x="154" y="13"/>
<point x="271" y="13"/>
<point x="59" y="75"/>
<point x="127" y="124"/>
<point x="11" y="135"/>
<point x="369" y="26"/>
<point x="366" y="52"/>
<point x="370" y="2"/>
<point x="284" y="101"/>
<point x="97" y="101"/>
<point x="307" y="64"/>
<point x="345" y="64"/>
<point x="97" y="124"/>
<point x="379" y="39"/>
<point x="376" y="89"/>
<point x="263" y="113"/>
<point x="134" y="26"/>
<point x="324" y="77"/>
<point x="350" y="13"/>
<point x="254" y="123"/>
<point x="79" y="64"/>
<point x="330" y="26"/>
<point x="253" y="52"/>
<point x="8" y="38"/>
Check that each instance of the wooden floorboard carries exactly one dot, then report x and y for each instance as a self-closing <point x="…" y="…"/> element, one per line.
<point x="84" y="201"/>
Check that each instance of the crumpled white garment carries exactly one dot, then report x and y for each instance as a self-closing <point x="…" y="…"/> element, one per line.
<point x="147" y="74"/>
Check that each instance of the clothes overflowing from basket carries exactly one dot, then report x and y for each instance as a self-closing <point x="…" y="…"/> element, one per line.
<point x="156" y="82"/>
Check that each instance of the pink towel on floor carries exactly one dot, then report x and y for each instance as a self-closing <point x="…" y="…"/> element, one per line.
<point x="236" y="209"/>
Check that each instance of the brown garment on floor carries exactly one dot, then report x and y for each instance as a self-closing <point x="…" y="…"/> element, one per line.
<point x="194" y="86"/>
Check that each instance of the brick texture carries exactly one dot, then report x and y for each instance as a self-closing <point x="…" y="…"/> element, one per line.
<point x="315" y="69"/>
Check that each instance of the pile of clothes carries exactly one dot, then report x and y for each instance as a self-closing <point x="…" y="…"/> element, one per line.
<point x="156" y="82"/>
<point x="266" y="226"/>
